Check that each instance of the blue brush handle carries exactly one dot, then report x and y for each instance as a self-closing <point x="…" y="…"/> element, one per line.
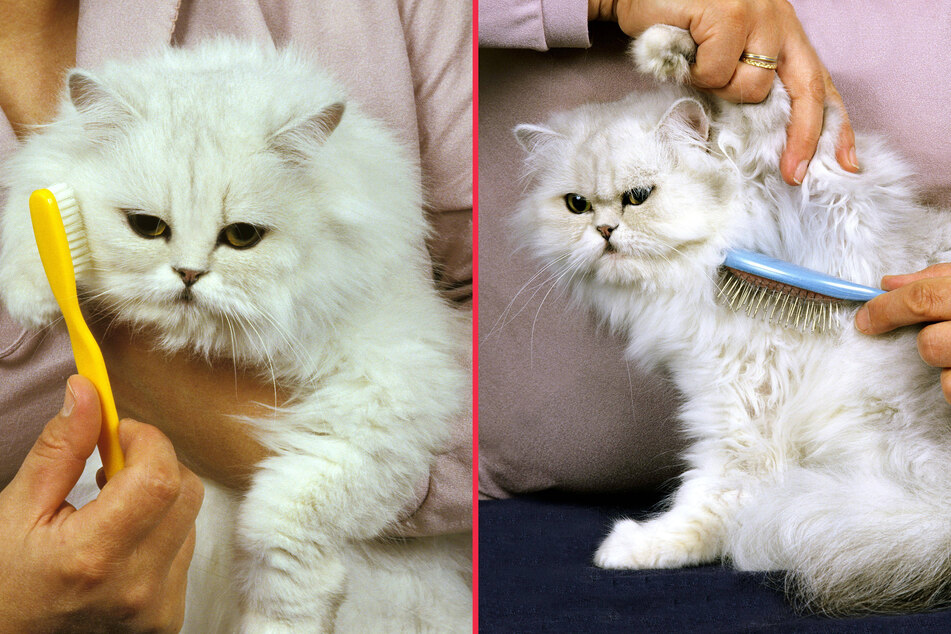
<point x="797" y="276"/>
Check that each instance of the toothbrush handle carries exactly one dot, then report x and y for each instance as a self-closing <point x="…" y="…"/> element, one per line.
<point x="53" y="246"/>
<point x="90" y="364"/>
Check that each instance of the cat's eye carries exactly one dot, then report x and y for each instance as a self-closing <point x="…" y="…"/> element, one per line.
<point x="577" y="204"/>
<point x="147" y="226"/>
<point x="241" y="235"/>
<point x="636" y="196"/>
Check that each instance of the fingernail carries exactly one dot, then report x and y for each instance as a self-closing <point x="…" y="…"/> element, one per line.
<point x="68" y="402"/>
<point x="800" y="172"/>
<point x="862" y="320"/>
<point x="852" y="158"/>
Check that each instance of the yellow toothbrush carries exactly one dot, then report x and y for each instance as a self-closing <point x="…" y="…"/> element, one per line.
<point x="61" y="240"/>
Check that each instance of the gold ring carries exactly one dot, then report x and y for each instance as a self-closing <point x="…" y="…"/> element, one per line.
<point x="760" y="61"/>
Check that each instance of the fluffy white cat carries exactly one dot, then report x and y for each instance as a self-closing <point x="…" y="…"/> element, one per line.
<point x="825" y="455"/>
<point x="236" y="203"/>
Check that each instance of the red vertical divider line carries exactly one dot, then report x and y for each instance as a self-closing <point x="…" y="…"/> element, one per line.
<point x="475" y="316"/>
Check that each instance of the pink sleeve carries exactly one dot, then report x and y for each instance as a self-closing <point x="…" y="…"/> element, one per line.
<point x="438" y="37"/>
<point x="535" y="24"/>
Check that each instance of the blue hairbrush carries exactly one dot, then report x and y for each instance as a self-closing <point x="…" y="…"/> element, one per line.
<point x="789" y="294"/>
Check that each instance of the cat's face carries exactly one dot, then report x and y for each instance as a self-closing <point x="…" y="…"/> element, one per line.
<point x="228" y="219"/>
<point x="196" y="244"/>
<point x="618" y="196"/>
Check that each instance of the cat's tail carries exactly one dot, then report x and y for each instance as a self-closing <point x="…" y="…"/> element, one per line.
<point x="850" y="544"/>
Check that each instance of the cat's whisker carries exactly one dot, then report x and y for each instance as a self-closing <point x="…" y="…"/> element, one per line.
<point x="503" y="319"/>
<point x="571" y="268"/>
<point x="267" y="355"/>
<point x="234" y="351"/>
<point x="567" y="285"/>
<point x="293" y="345"/>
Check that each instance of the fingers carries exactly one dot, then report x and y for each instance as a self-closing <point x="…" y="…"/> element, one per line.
<point x="845" y="145"/>
<point x="174" y="608"/>
<point x="152" y="489"/>
<point x="58" y="457"/>
<point x="891" y="282"/>
<point x="934" y="345"/>
<point x="924" y="300"/>
<point x="752" y="84"/>
<point x="718" y="52"/>
<point x="748" y="85"/>
<point x="946" y="384"/>
<point x="804" y="78"/>
<point x="173" y="533"/>
<point x="924" y="296"/>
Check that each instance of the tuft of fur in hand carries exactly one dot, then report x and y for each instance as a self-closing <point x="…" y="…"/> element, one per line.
<point x="665" y="52"/>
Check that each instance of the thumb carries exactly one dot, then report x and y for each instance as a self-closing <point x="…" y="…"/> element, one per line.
<point x="891" y="282"/>
<point x="58" y="457"/>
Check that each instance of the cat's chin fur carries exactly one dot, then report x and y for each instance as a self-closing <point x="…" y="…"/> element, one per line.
<point x="335" y="303"/>
<point x="822" y="454"/>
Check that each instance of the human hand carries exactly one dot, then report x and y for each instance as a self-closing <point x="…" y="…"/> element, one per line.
<point x="725" y="30"/>
<point x="117" y="564"/>
<point x="919" y="297"/>
<point x="198" y="405"/>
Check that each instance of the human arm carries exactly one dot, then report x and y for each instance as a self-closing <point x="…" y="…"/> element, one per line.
<point x="117" y="564"/>
<point x="529" y="24"/>
<point x="197" y="404"/>
<point x="915" y="298"/>
<point x="725" y="30"/>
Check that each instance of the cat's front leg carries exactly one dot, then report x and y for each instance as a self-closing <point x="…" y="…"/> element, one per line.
<point x="25" y="292"/>
<point x="300" y="515"/>
<point x="691" y="532"/>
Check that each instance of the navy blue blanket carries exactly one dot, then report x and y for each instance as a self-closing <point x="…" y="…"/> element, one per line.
<point x="536" y="575"/>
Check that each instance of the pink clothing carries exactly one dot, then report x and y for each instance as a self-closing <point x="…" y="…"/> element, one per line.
<point x="407" y="62"/>
<point x="535" y="24"/>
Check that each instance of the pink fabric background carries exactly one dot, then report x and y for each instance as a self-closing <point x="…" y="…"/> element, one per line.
<point x="408" y="62"/>
<point x="558" y="404"/>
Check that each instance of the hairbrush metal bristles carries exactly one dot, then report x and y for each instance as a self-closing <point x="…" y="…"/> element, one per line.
<point x="788" y="294"/>
<point x="787" y="305"/>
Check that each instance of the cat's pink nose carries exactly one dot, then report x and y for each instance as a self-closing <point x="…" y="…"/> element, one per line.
<point x="606" y="230"/>
<point x="189" y="276"/>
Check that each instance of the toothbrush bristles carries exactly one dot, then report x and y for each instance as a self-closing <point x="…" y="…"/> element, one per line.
<point x="73" y="223"/>
<point x="786" y="305"/>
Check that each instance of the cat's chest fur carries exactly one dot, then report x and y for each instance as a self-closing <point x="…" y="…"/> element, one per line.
<point x="786" y="399"/>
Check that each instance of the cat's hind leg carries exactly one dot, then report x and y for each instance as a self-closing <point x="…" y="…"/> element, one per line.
<point x="691" y="532"/>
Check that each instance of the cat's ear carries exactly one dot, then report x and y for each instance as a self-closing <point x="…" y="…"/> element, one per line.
<point x="531" y="136"/>
<point x="686" y="120"/>
<point x="102" y="111"/>
<point x="296" y="141"/>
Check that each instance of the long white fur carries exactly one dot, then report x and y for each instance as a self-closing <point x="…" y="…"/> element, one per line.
<point x="826" y="456"/>
<point x="336" y="304"/>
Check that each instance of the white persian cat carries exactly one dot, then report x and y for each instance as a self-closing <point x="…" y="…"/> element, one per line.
<point x="825" y="455"/>
<point x="239" y="205"/>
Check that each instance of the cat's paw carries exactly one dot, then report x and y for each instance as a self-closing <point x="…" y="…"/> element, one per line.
<point x="30" y="304"/>
<point x="666" y="52"/>
<point x="635" y="545"/>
